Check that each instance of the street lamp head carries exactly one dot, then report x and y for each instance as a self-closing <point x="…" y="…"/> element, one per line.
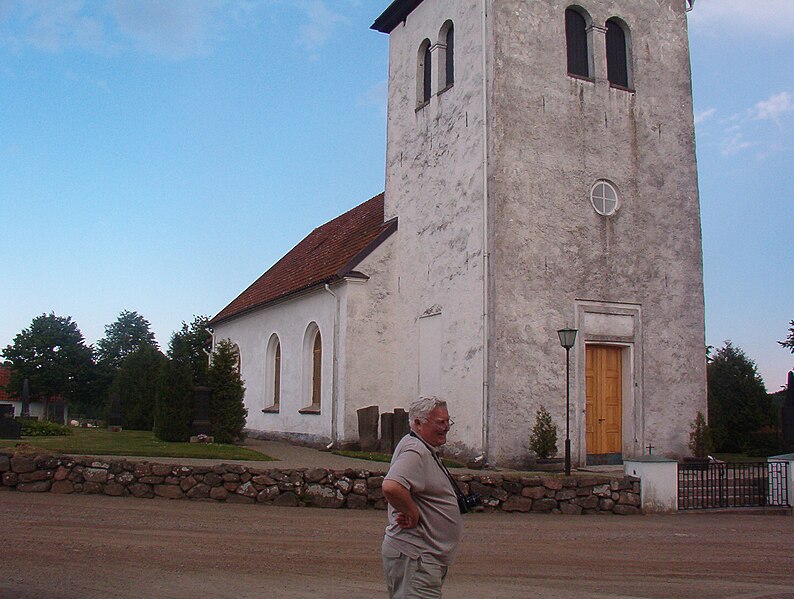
<point x="567" y="337"/>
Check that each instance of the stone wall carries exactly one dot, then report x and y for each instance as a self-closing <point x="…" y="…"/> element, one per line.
<point x="317" y="487"/>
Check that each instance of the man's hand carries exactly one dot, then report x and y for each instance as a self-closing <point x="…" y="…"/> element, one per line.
<point x="400" y="499"/>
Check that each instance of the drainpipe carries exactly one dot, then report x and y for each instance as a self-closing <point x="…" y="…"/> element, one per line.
<point x="335" y="369"/>
<point x="486" y="255"/>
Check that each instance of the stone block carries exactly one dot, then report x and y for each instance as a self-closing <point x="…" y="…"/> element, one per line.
<point x="544" y="505"/>
<point x="267" y="494"/>
<point x="356" y="502"/>
<point x="32" y="477"/>
<point x="517" y="503"/>
<point x="315" y="475"/>
<point x="247" y="490"/>
<point x="570" y="509"/>
<point x="534" y="492"/>
<point x="219" y="493"/>
<point x="21" y="464"/>
<point x="41" y="486"/>
<point x="151" y="480"/>
<point x="629" y="499"/>
<point x="114" y="489"/>
<point x="605" y="504"/>
<point x="95" y="475"/>
<point x="231" y="477"/>
<point x="141" y="490"/>
<point x="263" y="480"/>
<point x="553" y="483"/>
<point x="344" y="484"/>
<point x="62" y="487"/>
<point x="187" y="483"/>
<point x="5" y="463"/>
<point x="125" y="478"/>
<point x="360" y="486"/>
<point x="322" y="496"/>
<point x="199" y="491"/>
<point x="61" y="473"/>
<point x="142" y="469"/>
<point x="588" y="503"/>
<point x="93" y="488"/>
<point x="213" y="480"/>
<point x="375" y="482"/>
<point x="288" y="499"/>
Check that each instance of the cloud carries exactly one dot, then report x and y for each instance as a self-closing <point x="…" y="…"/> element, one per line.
<point x="173" y="29"/>
<point x="770" y="17"/>
<point x="320" y="25"/>
<point x="704" y="115"/>
<point x="732" y="145"/>
<point x="376" y="96"/>
<point x="772" y="108"/>
<point x="51" y="25"/>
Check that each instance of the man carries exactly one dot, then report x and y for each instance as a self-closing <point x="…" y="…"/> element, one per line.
<point x="424" y="517"/>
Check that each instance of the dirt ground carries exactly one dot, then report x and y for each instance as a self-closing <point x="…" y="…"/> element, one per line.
<point x="94" y="546"/>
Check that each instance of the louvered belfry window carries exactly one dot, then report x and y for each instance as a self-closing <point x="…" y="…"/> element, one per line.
<point x="576" y="42"/>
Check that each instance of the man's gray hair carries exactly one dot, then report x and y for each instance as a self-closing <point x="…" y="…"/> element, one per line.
<point x="421" y="407"/>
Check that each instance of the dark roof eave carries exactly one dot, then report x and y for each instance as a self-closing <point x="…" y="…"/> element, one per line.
<point x="389" y="227"/>
<point x="395" y="14"/>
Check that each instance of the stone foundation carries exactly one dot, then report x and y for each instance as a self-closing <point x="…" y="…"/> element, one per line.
<point x="315" y="487"/>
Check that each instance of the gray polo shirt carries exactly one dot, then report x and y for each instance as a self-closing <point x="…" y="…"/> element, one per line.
<point x="435" y="538"/>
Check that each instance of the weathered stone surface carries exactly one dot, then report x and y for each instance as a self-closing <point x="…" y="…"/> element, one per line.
<point x="169" y="491"/>
<point x="315" y="475"/>
<point x="513" y="487"/>
<point x="267" y="494"/>
<point x="374" y="482"/>
<point x="344" y="485"/>
<point x="482" y="490"/>
<point x="42" y="486"/>
<point x="590" y="502"/>
<point x="234" y="468"/>
<point x="586" y="481"/>
<point x="141" y="490"/>
<point x="5" y="463"/>
<point x="534" y="492"/>
<point x="151" y="480"/>
<point x="93" y="488"/>
<point x="61" y="473"/>
<point x="517" y="503"/>
<point x="544" y="505"/>
<point x="219" y="493"/>
<point x="32" y="477"/>
<point x="264" y="480"/>
<point x="629" y="499"/>
<point x="247" y="490"/>
<point x="356" y="502"/>
<point x="187" y="483"/>
<point x="287" y="499"/>
<point x="322" y="496"/>
<point x="570" y="509"/>
<point x="95" y="475"/>
<point x="199" y="491"/>
<point x="360" y="486"/>
<point x="63" y="487"/>
<point x="114" y="489"/>
<point x="553" y="483"/>
<point x="231" y="477"/>
<point x="606" y="504"/>
<point x="375" y="494"/>
<point x="213" y="479"/>
<point x="143" y="469"/>
<point x="565" y="494"/>
<point x="21" y="464"/>
<point x="172" y="480"/>
<point x="125" y="478"/>
<point x="602" y="490"/>
<point x="625" y="510"/>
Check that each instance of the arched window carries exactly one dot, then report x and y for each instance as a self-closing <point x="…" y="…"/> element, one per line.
<point x="576" y="43"/>
<point x="317" y="369"/>
<point x="312" y="370"/>
<point x="273" y="375"/>
<point x="617" y="54"/>
<point x="423" y="74"/>
<point x="446" y="44"/>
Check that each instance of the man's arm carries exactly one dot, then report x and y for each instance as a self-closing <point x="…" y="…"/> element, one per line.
<point x="400" y="499"/>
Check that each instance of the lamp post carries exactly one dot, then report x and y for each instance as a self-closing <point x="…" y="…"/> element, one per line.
<point x="567" y="339"/>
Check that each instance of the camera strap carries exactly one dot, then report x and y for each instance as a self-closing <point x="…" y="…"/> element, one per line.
<point x="458" y="493"/>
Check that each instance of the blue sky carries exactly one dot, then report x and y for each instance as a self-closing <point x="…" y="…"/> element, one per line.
<point x="159" y="156"/>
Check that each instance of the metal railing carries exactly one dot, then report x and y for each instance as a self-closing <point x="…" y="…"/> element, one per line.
<point x="731" y="485"/>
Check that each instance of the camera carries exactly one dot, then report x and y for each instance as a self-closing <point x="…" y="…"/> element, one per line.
<point x="467" y="503"/>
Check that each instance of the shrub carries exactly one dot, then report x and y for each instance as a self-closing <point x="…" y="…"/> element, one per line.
<point x="543" y="440"/>
<point x="43" y="428"/>
<point x="700" y="437"/>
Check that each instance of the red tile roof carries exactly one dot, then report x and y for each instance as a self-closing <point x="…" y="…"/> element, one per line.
<point x="328" y="253"/>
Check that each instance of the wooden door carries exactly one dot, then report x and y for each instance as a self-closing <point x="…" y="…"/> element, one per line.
<point x="604" y="390"/>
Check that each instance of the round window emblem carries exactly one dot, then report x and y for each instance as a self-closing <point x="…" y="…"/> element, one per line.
<point x="604" y="198"/>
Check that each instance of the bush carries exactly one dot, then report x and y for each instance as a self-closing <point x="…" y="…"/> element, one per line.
<point x="43" y="428"/>
<point x="543" y="440"/>
<point x="174" y="405"/>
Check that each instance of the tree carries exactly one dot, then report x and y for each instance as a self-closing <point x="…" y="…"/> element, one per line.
<point x="227" y="411"/>
<point x="174" y="403"/>
<point x="188" y="345"/>
<point x="138" y="383"/>
<point x="51" y="353"/>
<point x="789" y="341"/>
<point x="543" y="440"/>
<point x="123" y="337"/>
<point x="737" y="400"/>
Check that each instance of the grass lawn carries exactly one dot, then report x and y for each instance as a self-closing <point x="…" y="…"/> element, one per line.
<point x="734" y="458"/>
<point x="99" y="441"/>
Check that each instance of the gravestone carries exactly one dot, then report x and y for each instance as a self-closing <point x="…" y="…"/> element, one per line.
<point x="368" y="428"/>
<point x="9" y="428"/>
<point x="401" y="427"/>
<point x="201" y="412"/>
<point x="788" y="416"/>
<point x="114" y="417"/>
<point x="387" y="432"/>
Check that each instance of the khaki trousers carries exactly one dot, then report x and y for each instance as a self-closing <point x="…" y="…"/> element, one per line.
<point x="408" y="578"/>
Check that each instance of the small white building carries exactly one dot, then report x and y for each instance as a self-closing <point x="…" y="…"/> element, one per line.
<point x="540" y="174"/>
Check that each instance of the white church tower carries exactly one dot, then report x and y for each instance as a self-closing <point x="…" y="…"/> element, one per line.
<point x="541" y="165"/>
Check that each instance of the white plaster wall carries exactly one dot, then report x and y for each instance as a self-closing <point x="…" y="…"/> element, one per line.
<point x="434" y="183"/>
<point x="289" y="320"/>
<point x="551" y="136"/>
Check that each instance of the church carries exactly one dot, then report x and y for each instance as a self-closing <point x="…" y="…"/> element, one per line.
<point x="540" y="175"/>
